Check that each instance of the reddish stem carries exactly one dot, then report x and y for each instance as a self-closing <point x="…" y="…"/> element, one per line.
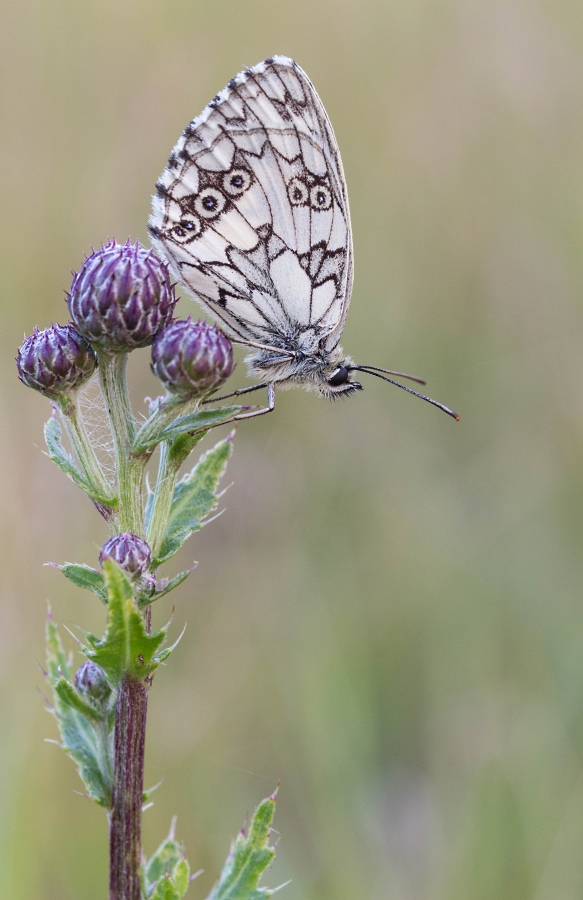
<point x="125" y="829"/>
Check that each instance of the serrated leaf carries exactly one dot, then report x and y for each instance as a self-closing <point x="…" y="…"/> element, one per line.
<point x="165" y="890"/>
<point x="163" y="860"/>
<point x="80" y="742"/>
<point x="87" y="741"/>
<point x="126" y="648"/>
<point x="193" y="500"/>
<point x="169" y="585"/>
<point x="181" y="876"/>
<point x="85" y="577"/>
<point x="69" y="697"/>
<point x="59" y="455"/>
<point x="167" y="872"/>
<point x="181" y="447"/>
<point x="200" y="421"/>
<point x="191" y="424"/>
<point x="249" y="857"/>
<point x="66" y="464"/>
<point x="58" y="662"/>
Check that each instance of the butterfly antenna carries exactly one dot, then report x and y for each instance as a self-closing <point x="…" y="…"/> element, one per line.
<point x="446" y="409"/>
<point x="390" y="372"/>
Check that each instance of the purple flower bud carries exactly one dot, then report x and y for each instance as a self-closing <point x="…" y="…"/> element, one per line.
<point x="192" y="358"/>
<point x="130" y="552"/>
<point x="91" y="682"/>
<point x="55" y="361"/>
<point x="121" y="297"/>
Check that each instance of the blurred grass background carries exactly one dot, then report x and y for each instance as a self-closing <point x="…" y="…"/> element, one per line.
<point x="388" y="616"/>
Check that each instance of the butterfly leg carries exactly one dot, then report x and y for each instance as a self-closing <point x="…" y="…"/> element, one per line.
<point x="260" y="412"/>
<point x="256" y="412"/>
<point x="237" y="393"/>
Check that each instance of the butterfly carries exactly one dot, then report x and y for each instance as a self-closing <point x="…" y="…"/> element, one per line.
<point x="251" y="214"/>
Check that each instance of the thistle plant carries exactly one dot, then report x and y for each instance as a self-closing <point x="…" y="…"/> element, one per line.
<point x="122" y="300"/>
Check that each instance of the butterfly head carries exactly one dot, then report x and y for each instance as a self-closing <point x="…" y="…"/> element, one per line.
<point x="339" y="382"/>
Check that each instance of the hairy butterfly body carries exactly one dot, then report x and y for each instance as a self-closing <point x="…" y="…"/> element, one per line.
<point x="251" y="213"/>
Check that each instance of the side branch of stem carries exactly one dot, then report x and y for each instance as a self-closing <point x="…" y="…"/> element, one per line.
<point x="75" y="427"/>
<point x="129" y="468"/>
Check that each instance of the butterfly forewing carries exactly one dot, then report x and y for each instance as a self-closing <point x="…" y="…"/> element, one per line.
<point x="252" y="211"/>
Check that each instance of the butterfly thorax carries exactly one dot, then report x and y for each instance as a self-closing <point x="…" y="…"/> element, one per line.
<point x="311" y="369"/>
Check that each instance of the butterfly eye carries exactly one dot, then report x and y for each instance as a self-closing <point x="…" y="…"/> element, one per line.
<point x="339" y="377"/>
<point x="186" y="229"/>
<point x="297" y="192"/>
<point x="209" y="203"/>
<point x="320" y="197"/>
<point x="236" y="182"/>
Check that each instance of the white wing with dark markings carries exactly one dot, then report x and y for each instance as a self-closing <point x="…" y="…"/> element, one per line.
<point x="252" y="214"/>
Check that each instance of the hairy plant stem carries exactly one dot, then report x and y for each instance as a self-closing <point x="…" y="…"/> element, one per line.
<point x="125" y="834"/>
<point x="172" y="455"/>
<point x="75" y="428"/>
<point x="129" y="467"/>
<point x="125" y="821"/>
<point x="162" y="498"/>
<point x="104" y="755"/>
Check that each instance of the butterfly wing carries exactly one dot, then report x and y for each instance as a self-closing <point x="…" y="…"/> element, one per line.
<point x="252" y="214"/>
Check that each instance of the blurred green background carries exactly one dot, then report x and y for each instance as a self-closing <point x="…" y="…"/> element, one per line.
<point x="388" y="616"/>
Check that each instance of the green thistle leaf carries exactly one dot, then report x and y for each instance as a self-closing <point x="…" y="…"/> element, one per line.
<point x="59" y="455"/>
<point x="167" y="873"/>
<point x="69" y="697"/>
<point x="249" y="857"/>
<point x="153" y="431"/>
<point x="66" y="464"/>
<point x="165" y="890"/>
<point x="59" y="663"/>
<point x="200" y="421"/>
<point x="181" y="876"/>
<point x="194" y="499"/>
<point x="84" y="577"/>
<point x="86" y="734"/>
<point x="126" y="648"/>
<point x="168" y="585"/>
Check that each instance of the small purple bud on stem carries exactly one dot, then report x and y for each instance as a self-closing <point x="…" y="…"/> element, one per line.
<point x="55" y="361"/>
<point x="91" y="682"/>
<point x="192" y="359"/>
<point x="130" y="552"/>
<point x="121" y="297"/>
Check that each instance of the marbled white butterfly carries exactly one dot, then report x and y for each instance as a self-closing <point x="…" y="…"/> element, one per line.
<point x="251" y="213"/>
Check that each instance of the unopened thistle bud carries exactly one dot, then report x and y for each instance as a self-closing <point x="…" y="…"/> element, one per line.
<point x="130" y="552"/>
<point x="121" y="297"/>
<point x="91" y="682"/>
<point x="55" y="361"/>
<point x="192" y="358"/>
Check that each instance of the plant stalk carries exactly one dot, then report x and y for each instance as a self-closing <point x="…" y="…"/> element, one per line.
<point x="162" y="501"/>
<point x="129" y="468"/>
<point x="125" y="822"/>
<point x="75" y="427"/>
<point x="104" y="755"/>
<point x="172" y="455"/>
<point x="125" y="834"/>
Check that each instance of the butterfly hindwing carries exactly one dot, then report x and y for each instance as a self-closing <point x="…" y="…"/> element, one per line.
<point x="252" y="212"/>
